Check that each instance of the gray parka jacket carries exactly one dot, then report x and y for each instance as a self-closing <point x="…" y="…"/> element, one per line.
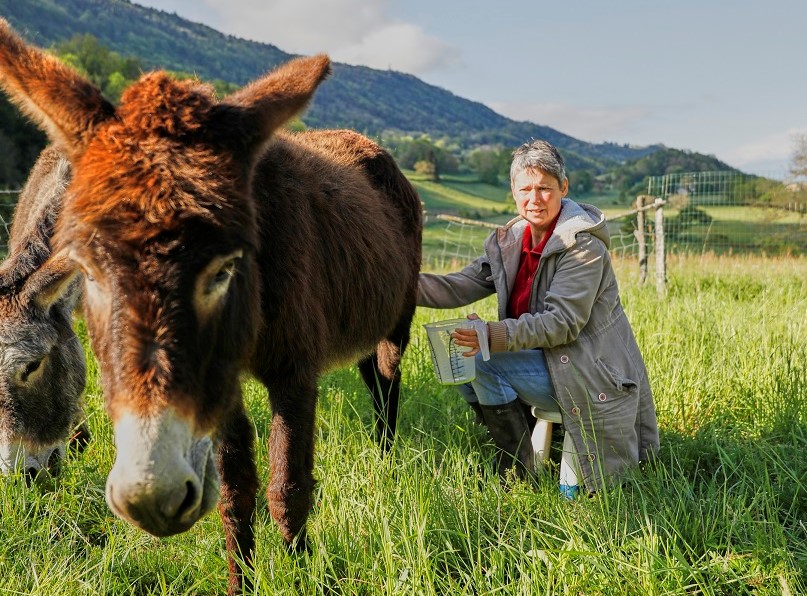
<point x="596" y="367"/>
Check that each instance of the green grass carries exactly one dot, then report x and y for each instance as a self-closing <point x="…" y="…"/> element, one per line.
<point x="451" y="246"/>
<point x="724" y="511"/>
<point x="471" y="185"/>
<point x="609" y="199"/>
<point x="735" y="228"/>
<point x="463" y="196"/>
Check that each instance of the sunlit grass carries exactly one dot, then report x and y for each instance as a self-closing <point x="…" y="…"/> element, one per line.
<point x="723" y="512"/>
<point x="463" y="196"/>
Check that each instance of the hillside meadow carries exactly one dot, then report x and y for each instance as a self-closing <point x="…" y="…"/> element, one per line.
<point x="710" y="228"/>
<point x="722" y="512"/>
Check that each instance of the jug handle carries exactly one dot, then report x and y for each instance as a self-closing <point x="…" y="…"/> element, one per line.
<point x="481" y="328"/>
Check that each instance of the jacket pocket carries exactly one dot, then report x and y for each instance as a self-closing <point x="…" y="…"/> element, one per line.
<point x="619" y="380"/>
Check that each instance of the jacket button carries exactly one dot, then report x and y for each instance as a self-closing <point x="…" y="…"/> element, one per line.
<point x="564" y="359"/>
<point x="591" y="457"/>
<point x="602" y="397"/>
<point x="576" y="411"/>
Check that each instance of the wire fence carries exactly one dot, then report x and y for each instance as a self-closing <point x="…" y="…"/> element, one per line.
<point x="461" y="239"/>
<point x="731" y="212"/>
<point x="722" y="212"/>
<point x="458" y="241"/>
<point x="454" y="241"/>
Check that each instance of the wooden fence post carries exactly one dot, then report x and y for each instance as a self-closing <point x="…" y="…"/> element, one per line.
<point x="640" y="239"/>
<point x="661" y="263"/>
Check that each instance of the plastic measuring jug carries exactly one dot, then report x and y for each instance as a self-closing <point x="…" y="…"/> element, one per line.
<point x="450" y="363"/>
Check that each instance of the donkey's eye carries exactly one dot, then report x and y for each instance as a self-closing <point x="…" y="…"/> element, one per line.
<point x="30" y="369"/>
<point x="225" y="273"/>
<point x="213" y="282"/>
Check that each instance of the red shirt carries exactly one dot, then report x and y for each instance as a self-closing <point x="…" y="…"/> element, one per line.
<point x="519" y="302"/>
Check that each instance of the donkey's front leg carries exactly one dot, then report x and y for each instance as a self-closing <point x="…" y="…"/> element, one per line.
<point x="291" y="453"/>
<point x="239" y="487"/>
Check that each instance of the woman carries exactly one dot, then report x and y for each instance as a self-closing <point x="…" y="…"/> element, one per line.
<point x="562" y="341"/>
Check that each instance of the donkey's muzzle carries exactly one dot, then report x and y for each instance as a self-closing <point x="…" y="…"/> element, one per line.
<point x="164" y="480"/>
<point x="29" y="458"/>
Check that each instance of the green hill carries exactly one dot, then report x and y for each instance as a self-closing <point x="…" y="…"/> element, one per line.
<point x="631" y="177"/>
<point x="381" y="103"/>
<point x="368" y="100"/>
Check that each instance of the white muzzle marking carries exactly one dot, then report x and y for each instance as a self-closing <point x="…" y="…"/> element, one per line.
<point x="16" y="455"/>
<point x="164" y="478"/>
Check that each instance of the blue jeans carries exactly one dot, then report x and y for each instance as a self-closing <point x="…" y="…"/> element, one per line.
<point x="511" y="375"/>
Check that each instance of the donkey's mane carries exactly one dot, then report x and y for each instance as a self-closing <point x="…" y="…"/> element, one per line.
<point x="160" y="105"/>
<point x="152" y="169"/>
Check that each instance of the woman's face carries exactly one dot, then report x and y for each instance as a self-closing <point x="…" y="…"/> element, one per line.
<point x="537" y="195"/>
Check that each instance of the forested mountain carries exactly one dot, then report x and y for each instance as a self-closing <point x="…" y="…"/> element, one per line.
<point x="631" y="176"/>
<point x="415" y="120"/>
<point x="365" y="99"/>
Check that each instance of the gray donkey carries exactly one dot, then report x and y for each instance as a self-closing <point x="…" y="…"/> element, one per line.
<point x="42" y="365"/>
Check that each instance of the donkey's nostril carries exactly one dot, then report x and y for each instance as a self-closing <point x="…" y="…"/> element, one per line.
<point x="182" y="500"/>
<point x="54" y="461"/>
<point x="189" y="503"/>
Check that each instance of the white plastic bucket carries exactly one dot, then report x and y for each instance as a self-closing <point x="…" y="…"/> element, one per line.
<point x="450" y="364"/>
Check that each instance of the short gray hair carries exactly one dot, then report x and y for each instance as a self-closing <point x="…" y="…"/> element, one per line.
<point x="538" y="155"/>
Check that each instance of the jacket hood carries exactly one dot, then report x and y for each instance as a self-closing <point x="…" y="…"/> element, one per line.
<point x="574" y="218"/>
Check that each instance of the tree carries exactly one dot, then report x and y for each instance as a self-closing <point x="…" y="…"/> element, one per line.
<point x="798" y="163"/>
<point x="116" y="83"/>
<point x="581" y="182"/>
<point x="408" y="152"/>
<point x="426" y="168"/>
<point x="106" y="69"/>
<point x="489" y="164"/>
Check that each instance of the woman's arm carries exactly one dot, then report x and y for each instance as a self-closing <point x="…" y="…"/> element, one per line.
<point x="456" y="289"/>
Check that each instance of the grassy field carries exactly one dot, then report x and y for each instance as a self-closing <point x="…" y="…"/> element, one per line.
<point x="727" y="229"/>
<point x="463" y="196"/>
<point x="723" y="512"/>
<point x="735" y="228"/>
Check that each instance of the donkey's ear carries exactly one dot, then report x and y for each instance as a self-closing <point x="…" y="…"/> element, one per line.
<point x="52" y="282"/>
<point x="58" y="99"/>
<point x="257" y="110"/>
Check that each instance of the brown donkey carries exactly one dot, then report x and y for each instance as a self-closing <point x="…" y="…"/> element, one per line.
<point x="42" y="367"/>
<point x="211" y="244"/>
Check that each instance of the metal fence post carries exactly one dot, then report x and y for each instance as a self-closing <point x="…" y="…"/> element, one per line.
<point x="640" y="239"/>
<point x="661" y="264"/>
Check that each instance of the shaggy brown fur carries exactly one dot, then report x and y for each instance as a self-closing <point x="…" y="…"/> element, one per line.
<point x="42" y="369"/>
<point x="330" y="232"/>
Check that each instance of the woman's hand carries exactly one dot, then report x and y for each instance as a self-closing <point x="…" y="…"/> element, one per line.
<point x="467" y="338"/>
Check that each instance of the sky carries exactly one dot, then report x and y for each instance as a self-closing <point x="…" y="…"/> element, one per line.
<point x="720" y="77"/>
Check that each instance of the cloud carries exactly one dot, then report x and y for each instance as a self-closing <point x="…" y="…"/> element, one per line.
<point x="591" y="123"/>
<point x="769" y="156"/>
<point x="352" y="31"/>
<point x="778" y="146"/>
<point x="399" y="46"/>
